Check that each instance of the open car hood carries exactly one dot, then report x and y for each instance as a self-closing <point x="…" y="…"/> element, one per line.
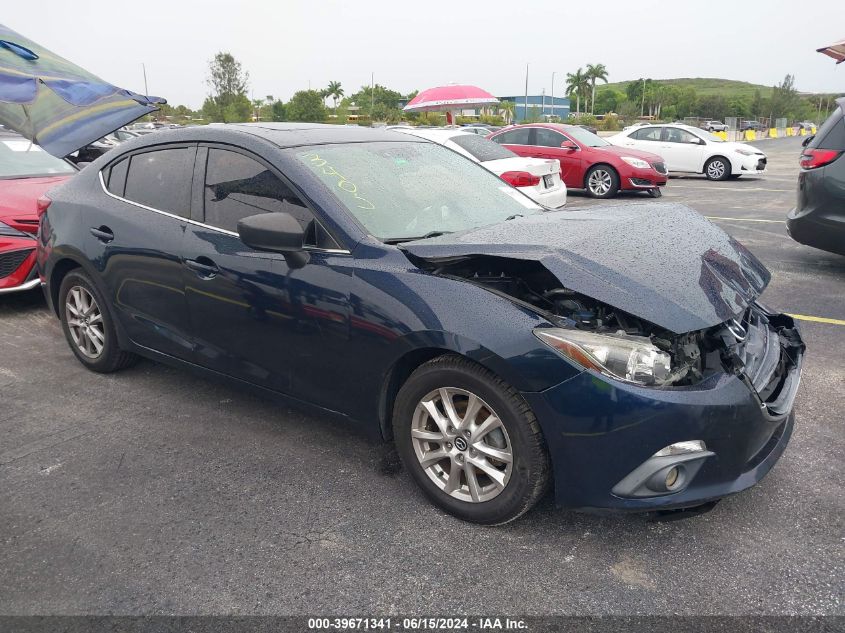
<point x="663" y="263"/>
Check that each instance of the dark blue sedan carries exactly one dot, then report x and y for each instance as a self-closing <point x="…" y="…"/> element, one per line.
<point x="618" y="354"/>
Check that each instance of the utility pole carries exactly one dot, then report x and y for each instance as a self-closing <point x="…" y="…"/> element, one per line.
<point x="553" y="94"/>
<point x="372" y="95"/>
<point x="525" y="103"/>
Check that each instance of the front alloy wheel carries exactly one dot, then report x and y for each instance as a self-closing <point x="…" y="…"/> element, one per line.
<point x="602" y="182"/>
<point x="470" y="441"/>
<point x="717" y="169"/>
<point x="461" y="444"/>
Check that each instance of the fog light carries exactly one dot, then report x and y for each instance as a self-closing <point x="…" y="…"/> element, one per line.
<point x="671" y="478"/>
<point x="682" y="448"/>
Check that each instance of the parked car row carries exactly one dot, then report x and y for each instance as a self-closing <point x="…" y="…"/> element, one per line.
<point x="539" y="179"/>
<point x="587" y="161"/>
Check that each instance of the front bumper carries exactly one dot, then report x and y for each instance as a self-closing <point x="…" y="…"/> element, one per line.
<point x="17" y="264"/>
<point x="599" y="431"/>
<point x="755" y="164"/>
<point x="639" y="179"/>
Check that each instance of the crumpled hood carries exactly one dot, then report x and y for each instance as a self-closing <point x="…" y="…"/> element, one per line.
<point x="664" y="263"/>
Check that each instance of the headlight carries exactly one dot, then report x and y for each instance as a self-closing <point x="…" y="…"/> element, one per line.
<point x="639" y="163"/>
<point x="8" y="231"/>
<point x="745" y="151"/>
<point x="631" y="358"/>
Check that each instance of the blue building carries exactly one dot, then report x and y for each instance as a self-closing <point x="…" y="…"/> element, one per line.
<point x="540" y="106"/>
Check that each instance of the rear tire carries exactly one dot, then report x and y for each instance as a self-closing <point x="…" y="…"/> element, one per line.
<point x="602" y="181"/>
<point x="452" y="420"/>
<point x="88" y="325"/>
<point x="717" y="168"/>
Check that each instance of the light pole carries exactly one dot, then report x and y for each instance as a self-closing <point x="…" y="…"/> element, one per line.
<point x="553" y="94"/>
<point x="525" y="103"/>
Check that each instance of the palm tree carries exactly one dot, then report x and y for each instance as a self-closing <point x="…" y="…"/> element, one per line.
<point x="335" y="92"/>
<point x="576" y="84"/>
<point x="508" y="108"/>
<point x="595" y="71"/>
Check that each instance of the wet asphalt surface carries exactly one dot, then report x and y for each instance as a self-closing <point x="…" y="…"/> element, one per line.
<point x="151" y="491"/>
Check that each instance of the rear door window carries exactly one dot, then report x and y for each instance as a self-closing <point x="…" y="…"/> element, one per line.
<point x="548" y="138"/>
<point x="519" y="136"/>
<point x="647" y="134"/>
<point x="481" y="148"/>
<point x="161" y="179"/>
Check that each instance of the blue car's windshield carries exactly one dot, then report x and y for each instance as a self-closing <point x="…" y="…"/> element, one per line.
<point x="406" y="190"/>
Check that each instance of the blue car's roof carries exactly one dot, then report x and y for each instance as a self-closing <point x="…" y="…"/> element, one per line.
<point x="283" y="134"/>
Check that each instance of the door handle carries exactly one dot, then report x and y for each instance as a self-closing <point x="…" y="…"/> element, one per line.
<point x="103" y="233"/>
<point x="203" y="267"/>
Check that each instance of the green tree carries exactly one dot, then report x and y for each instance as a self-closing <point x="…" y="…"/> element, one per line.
<point x="335" y="92"/>
<point x="607" y="100"/>
<point x="784" y="100"/>
<point x="594" y="72"/>
<point x="368" y="97"/>
<point x="228" y="82"/>
<point x="577" y="84"/>
<point x="712" y="107"/>
<point x="279" y="111"/>
<point x="306" y="105"/>
<point x="686" y="102"/>
<point x="508" y="107"/>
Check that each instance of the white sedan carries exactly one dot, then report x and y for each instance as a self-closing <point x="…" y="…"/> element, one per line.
<point x="538" y="178"/>
<point x="689" y="149"/>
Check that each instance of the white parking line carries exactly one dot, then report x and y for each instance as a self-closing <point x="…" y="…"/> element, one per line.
<point x="716" y="217"/>
<point x="731" y="189"/>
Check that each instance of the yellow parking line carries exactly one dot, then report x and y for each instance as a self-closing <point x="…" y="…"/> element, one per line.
<point x="816" y="319"/>
<point x="716" y="217"/>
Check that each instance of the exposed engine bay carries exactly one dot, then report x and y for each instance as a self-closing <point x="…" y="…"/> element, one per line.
<point x="749" y="346"/>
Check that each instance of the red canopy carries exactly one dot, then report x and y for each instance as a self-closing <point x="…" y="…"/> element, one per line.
<point x="837" y="51"/>
<point x="449" y="98"/>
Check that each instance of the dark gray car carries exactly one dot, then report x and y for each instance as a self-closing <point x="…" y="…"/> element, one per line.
<point x="819" y="217"/>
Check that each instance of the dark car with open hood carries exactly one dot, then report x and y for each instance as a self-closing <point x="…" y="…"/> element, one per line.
<point x="619" y="355"/>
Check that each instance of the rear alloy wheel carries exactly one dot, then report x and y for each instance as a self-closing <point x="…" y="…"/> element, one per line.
<point x="717" y="168"/>
<point x="602" y="182"/>
<point x="470" y="441"/>
<point x="88" y="326"/>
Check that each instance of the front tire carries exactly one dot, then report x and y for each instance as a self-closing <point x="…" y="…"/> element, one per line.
<point x="88" y="325"/>
<point x="655" y="193"/>
<point x="470" y="441"/>
<point x="717" y="168"/>
<point x="602" y="181"/>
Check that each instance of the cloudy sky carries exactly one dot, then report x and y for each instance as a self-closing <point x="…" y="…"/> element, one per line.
<point x="287" y="44"/>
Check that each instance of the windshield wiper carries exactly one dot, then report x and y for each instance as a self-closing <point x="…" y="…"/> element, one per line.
<point x="399" y="240"/>
<point x="514" y="216"/>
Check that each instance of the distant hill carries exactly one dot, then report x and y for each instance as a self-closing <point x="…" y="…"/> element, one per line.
<point x="703" y="86"/>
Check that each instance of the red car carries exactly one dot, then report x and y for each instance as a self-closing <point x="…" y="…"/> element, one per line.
<point x="26" y="173"/>
<point x="587" y="161"/>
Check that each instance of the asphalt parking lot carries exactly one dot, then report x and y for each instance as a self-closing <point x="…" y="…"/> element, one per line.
<point x="152" y="491"/>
